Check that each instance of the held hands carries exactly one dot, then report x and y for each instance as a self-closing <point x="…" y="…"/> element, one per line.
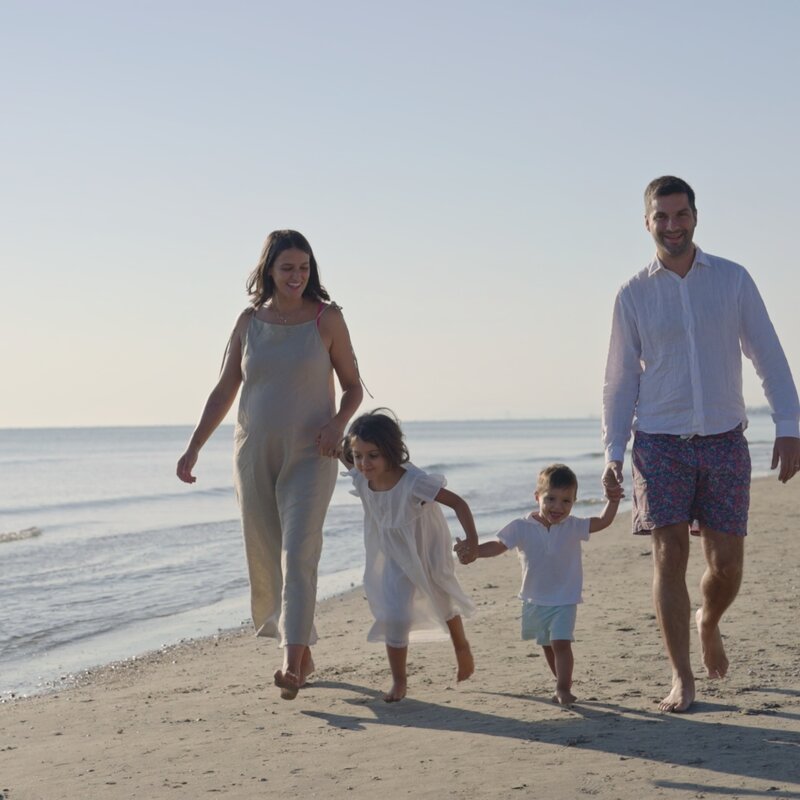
<point x="185" y="466"/>
<point x="466" y="552"/>
<point x="612" y="481"/>
<point x="329" y="439"/>
<point x="786" y="452"/>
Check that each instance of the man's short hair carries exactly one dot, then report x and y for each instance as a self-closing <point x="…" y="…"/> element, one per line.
<point x="665" y="185"/>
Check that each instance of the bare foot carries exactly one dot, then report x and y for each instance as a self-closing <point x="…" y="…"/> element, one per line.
<point x="466" y="664"/>
<point x="288" y="684"/>
<point x="396" y="693"/>
<point x="306" y="667"/>
<point x="564" y="697"/>
<point x="714" y="657"/>
<point x="680" y="697"/>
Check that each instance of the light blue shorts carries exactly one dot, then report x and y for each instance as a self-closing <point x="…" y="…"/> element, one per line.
<point x="546" y="623"/>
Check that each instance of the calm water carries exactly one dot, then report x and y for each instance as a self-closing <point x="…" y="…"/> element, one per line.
<point x="104" y="554"/>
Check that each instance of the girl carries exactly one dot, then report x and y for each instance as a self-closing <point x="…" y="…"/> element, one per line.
<point x="409" y="577"/>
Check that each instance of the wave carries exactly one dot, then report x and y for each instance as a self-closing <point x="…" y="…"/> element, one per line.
<point x="25" y="533"/>
<point x="107" y="502"/>
<point x="448" y="466"/>
<point x="591" y="455"/>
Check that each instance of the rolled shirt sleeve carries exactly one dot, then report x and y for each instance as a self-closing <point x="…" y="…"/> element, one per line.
<point x="621" y="384"/>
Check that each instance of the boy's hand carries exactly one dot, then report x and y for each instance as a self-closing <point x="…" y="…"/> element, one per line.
<point x="614" y="493"/>
<point x="466" y="552"/>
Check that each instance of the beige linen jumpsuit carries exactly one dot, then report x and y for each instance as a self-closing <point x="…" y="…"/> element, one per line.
<point x="282" y="483"/>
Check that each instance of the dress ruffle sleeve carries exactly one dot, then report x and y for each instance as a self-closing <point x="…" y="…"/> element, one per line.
<point x="426" y="486"/>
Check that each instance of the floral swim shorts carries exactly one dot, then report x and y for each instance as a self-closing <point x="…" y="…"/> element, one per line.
<point x="679" y="479"/>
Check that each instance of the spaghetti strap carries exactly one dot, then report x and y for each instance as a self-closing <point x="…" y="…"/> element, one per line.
<point x="251" y="313"/>
<point x="321" y="309"/>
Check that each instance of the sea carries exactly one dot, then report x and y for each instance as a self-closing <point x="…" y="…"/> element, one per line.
<point x="106" y="555"/>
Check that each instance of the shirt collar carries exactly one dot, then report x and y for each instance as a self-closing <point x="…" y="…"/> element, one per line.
<point x="700" y="259"/>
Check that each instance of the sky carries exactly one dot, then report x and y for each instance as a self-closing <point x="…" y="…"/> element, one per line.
<point x="469" y="174"/>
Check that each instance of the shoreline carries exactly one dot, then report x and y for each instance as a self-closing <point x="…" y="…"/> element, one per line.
<point x="168" y="565"/>
<point x="142" y="639"/>
<point x="54" y="671"/>
<point x="203" y="715"/>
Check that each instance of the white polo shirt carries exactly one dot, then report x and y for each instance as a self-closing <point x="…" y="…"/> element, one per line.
<point x="552" y="574"/>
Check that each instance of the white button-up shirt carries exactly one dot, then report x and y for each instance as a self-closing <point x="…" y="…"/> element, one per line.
<point x="675" y="356"/>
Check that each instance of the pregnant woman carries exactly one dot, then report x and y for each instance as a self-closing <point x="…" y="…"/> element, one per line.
<point x="283" y="353"/>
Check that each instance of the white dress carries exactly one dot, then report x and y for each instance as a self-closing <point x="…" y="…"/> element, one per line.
<point x="409" y="578"/>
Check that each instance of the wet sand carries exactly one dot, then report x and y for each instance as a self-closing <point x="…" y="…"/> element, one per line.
<point x="203" y="719"/>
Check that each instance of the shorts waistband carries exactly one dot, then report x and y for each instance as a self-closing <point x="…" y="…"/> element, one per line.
<point x="737" y="429"/>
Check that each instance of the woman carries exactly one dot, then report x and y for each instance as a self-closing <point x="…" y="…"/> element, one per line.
<point x="283" y="352"/>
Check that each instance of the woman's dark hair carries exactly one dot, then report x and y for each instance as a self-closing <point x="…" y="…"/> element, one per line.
<point x="381" y="428"/>
<point x="260" y="285"/>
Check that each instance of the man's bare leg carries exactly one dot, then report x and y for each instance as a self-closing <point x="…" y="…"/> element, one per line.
<point x="720" y="585"/>
<point x="671" y="600"/>
<point x="464" y="661"/>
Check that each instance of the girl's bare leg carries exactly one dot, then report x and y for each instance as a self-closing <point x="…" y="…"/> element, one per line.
<point x="464" y="660"/>
<point x="397" y="664"/>
<point x="564" y="661"/>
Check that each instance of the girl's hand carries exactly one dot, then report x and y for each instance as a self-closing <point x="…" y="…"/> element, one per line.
<point x="185" y="466"/>
<point x="466" y="552"/>
<point x="329" y="439"/>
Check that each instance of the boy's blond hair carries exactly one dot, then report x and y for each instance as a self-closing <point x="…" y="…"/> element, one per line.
<point x="557" y="476"/>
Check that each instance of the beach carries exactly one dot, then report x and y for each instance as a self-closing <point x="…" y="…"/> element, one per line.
<point x="202" y="718"/>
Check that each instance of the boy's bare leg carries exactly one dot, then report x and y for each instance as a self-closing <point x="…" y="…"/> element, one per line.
<point x="671" y="599"/>
<point x="550" y="657"/>
<point x="720" y="585"/>
<point x="398" y="657"/>
<point x="564" y="661"/>
<point x="464" y="660"/>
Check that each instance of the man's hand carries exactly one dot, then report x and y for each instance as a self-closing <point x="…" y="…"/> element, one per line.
<point x="612" y="476"/>
<point x="786" y="452"/>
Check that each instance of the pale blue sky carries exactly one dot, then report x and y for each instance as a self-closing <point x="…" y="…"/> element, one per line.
<point x="470" y="176"/>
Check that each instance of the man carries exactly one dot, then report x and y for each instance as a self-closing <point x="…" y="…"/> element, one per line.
<point x="674" y="377"/>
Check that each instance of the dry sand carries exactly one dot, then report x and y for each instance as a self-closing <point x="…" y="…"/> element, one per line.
<point x="203" y="720"/>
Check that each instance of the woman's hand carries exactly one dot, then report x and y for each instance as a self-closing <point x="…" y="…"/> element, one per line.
<point x="185" y="466"/>
<point x="329" y="439"/>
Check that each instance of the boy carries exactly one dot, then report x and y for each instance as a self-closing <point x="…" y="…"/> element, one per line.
<point x="549" y="544"/>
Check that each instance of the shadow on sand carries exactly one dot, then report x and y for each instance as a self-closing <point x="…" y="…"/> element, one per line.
<point x="745" y="751"/>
